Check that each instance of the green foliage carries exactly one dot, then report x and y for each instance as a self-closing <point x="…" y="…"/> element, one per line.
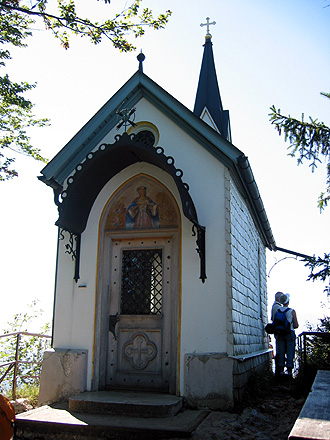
<point x="320" y="269"/>
<point x="318" y="349"/>
<point x="308" y="141"/>
<point x="15" y="117"/>
<point x="15" y="110"/>
<point x="31" y="349"/>
<point x="65" y="21"/>
<point x="317" y="354"/>
<point x="17" y="18"/>
<point x="30" y="392"/>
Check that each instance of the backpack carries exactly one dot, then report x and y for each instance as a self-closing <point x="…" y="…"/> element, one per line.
<point x="7" y="418"/>
<point x="281" y="324"/>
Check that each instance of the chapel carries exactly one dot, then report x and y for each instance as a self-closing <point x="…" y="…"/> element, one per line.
<point x="161" y="261"/>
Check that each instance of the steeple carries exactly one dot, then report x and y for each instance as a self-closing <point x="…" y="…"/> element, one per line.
<point x="208" y="105"/>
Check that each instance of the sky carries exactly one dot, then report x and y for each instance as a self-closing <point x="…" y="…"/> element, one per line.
<point x="266" y="53"/>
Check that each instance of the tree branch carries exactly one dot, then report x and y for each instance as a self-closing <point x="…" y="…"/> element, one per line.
<point x="112" y="29"/>
<point x="308" y="140"/>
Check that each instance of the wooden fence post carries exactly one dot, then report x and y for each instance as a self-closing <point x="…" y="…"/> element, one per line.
<point x="16" y="365"/>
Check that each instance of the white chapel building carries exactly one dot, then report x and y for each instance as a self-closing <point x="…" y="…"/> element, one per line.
<point x="161" y="261"/>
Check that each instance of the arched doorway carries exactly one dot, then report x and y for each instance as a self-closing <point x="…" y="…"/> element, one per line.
<point x="139" y="288"/>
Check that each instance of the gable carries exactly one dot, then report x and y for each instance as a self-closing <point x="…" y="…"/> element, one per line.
<point x="137" y="87"/>
<point x="77" y="151"/>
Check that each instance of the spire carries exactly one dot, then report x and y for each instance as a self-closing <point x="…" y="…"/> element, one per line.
<point x="208" y="105"/>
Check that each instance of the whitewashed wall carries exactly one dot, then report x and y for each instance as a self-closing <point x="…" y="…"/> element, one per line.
<point x="210" y="320"/>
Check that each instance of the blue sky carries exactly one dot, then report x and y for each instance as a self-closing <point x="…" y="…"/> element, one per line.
<point x="266" y="52"/>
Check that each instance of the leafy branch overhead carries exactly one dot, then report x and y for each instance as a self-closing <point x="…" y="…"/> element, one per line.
<point x="16" y="116"/>
<point x="130" y="21"/>
<point x="17" y="18"/>
<point x="309" y="140"/>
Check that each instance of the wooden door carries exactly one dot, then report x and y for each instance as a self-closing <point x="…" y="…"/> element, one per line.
<point x="140" y="352"/>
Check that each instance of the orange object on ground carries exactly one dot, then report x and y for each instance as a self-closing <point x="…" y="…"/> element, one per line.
<point x="7" y="418"/>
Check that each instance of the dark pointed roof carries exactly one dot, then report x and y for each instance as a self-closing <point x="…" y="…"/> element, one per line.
<point x="208" y="94"/>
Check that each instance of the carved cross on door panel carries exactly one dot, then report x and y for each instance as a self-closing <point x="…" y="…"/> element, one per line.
<point x="139" y="351"/>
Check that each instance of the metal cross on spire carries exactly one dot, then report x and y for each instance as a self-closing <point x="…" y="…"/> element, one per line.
<point x="207" y="24"/>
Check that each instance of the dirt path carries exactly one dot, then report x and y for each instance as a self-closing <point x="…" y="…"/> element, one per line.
<point x="270" y="417"/>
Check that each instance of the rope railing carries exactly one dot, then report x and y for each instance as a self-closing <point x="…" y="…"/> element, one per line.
<point x="15" y="363"/>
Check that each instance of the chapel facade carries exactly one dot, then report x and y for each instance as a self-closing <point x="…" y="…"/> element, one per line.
<point x="161" y="263"/>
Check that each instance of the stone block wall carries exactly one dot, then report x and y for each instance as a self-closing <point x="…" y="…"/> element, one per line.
<point x="246" y="277"/>
<point x="242" y="369"/>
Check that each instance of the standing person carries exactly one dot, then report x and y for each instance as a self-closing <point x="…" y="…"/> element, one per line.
<point x="277" y="304"/>
<point x="285" y="344"/>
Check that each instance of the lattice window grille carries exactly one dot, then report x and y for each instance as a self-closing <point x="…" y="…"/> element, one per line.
<point x="142" y="282"/>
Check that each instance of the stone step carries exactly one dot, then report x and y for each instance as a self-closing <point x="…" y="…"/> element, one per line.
<point x="130" y="403"/>
<point x="59" y="422"/>
<point x="314" y="419"/>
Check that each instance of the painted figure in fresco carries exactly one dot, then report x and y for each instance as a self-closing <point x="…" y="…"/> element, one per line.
<point x="142" y="213"/>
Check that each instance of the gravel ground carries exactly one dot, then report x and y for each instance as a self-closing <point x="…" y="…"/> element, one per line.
<point x="270" y="417"/>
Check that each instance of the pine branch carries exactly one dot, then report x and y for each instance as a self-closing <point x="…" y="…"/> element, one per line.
<point x="319" y="267"/>
<point x="308" y="141"/>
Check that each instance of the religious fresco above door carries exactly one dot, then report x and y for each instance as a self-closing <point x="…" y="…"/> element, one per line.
<point x="142" y="204"/>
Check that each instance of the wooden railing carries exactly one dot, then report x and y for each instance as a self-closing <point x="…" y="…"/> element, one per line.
<point x="15" y="363"/>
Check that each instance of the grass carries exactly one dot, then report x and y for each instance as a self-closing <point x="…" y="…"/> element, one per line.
<point x="26" y="391"/>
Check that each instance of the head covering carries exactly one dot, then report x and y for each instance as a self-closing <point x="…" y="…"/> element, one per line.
<point x="285" y="298"/>
<point x="278" y="296"/>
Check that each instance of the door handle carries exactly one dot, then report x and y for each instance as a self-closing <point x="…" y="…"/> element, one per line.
<point x="113" y="319"/>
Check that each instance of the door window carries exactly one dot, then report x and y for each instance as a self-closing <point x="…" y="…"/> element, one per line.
<point x="142" y="282"/>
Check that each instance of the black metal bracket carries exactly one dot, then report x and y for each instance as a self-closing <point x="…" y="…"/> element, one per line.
<point x="199" y="231"/>
<point x="113" y="319"/>
<point x="73" y="249"/>
<point x="100" y="166"/>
